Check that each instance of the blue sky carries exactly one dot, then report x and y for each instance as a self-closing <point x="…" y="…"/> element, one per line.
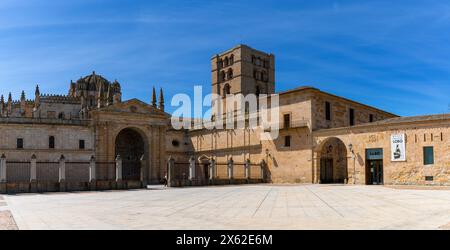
<point x="394" y="55"/>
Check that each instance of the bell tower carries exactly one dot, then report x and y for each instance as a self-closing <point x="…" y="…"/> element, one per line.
<point x="243" y="70"/>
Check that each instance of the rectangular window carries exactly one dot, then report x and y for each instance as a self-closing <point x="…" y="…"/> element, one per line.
<point x="370" y="118"/>
<point x="19" y="143"/>
<point x="287" y="121"/>
<point x="328" y="111"/>
<point x="352" y="117"/>
<point x="287" y="141"/>
<point x="51" y="142"/>
<point x="428" y="155"/>
<point x="81" y="144"/>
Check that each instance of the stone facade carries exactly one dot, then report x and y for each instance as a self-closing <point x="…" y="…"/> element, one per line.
<point x="323" y="138"/>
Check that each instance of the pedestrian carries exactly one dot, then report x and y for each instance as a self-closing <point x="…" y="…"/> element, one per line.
<point x="165" y="180"/>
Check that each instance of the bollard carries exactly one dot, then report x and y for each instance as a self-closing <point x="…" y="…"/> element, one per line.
<point x="171" y="165"/>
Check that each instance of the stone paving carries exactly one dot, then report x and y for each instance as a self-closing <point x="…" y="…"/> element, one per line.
<point x="6" y="219"/>
<point x="237" y="207"/>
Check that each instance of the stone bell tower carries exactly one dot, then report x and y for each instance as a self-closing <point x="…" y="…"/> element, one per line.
<point x="243" y="70"/>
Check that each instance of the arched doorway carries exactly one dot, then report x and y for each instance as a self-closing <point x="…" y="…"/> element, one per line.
<point x="131" y="146"/>
<point x="333" y="161"/>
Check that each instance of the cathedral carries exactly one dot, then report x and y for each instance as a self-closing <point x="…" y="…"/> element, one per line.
<point x="91" y="139"/>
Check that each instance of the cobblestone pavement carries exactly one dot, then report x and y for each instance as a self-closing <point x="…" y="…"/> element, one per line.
<point x="237" y="207"/>
<point x="6" y="219"/>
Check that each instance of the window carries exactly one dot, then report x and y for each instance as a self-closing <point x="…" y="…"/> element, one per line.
<point x="19" y="143"/>
<point x="328" y="111"/>
<point x="51" y="142"/>
<point x="175" y="143"/>
<point x="287" y="120"/>
<point x="227" y="62"/>
<point x="370" y="118"/>
<point x="222" y="76"/>
<point x="287" y="141"/>
<point x="428" y="155"/>
<point x="61" y="116"/>
<point x="256" y="74"/>
<point x="81" y="144"/>
<point x="230" y="74"/>
<point x="226" y="90"/>
<point x="231" y="59"/>
<point x="352" y="117"/>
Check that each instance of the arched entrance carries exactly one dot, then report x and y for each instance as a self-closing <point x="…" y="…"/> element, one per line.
<point x="333" y="161"/>
<point x="131" y="146"/>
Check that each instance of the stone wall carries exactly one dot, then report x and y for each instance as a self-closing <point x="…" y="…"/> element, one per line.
<point x="340" y="114"/>
<point x="412" y="171"/>
<point x="36" y="141"/>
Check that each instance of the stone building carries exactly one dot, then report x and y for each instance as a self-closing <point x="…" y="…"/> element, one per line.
<point x="323" y="138"/>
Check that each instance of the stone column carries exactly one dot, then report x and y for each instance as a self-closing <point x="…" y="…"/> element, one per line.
<point x="262" y="167"/>
<point x="92" y="169"/>
<point x="142" y="164"/>
<point x="3" y="169"/>
<point x="192" y="168"/>
<point x="3" y="174"/>
<point x="33" y="170"/>
<point x="212" y="170"/>
<point x="230" y="168"/>
<point x="170" y="166"/>
<point x="92" y="174"/>
<point x="247" y="169"/>
<point x="33" y="174"/>
<point x="118" y="168"/>
<point x="192" y="173"/>
<point x="62" y="173"/>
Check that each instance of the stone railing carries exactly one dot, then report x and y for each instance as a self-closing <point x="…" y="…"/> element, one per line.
<point x="26" y="120"/>
<point x="193" y="173"/>
<point x="32" y="175"/>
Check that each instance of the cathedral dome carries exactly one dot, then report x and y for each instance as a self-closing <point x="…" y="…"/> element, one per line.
<point x="93" y="82"/>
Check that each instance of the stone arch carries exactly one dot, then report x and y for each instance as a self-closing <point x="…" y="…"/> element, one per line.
<point x="226" y="90"/>
<point x="332" y="161"/>
<point x="230" y="74"/>
<point x="131" y="143"/>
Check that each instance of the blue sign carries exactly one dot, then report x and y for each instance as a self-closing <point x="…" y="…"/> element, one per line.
<point x="374" y="154"/>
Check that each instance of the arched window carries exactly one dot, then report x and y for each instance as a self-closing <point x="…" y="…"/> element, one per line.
<point x="263" y="76"/>
<point x="226" y="90"/>
<point x="227" y="62"/>
<point x="230" y="73"/>
<point x="256" y="74"/>
<point x="258" y="91"/>
<point x="51" y="142"/>
<point x="220" y="63"/>
<point x="231" y="59"/>
<point x="222" y="76"/>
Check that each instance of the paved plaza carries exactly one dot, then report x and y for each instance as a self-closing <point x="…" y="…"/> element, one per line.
<point x="236" y="207"/>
